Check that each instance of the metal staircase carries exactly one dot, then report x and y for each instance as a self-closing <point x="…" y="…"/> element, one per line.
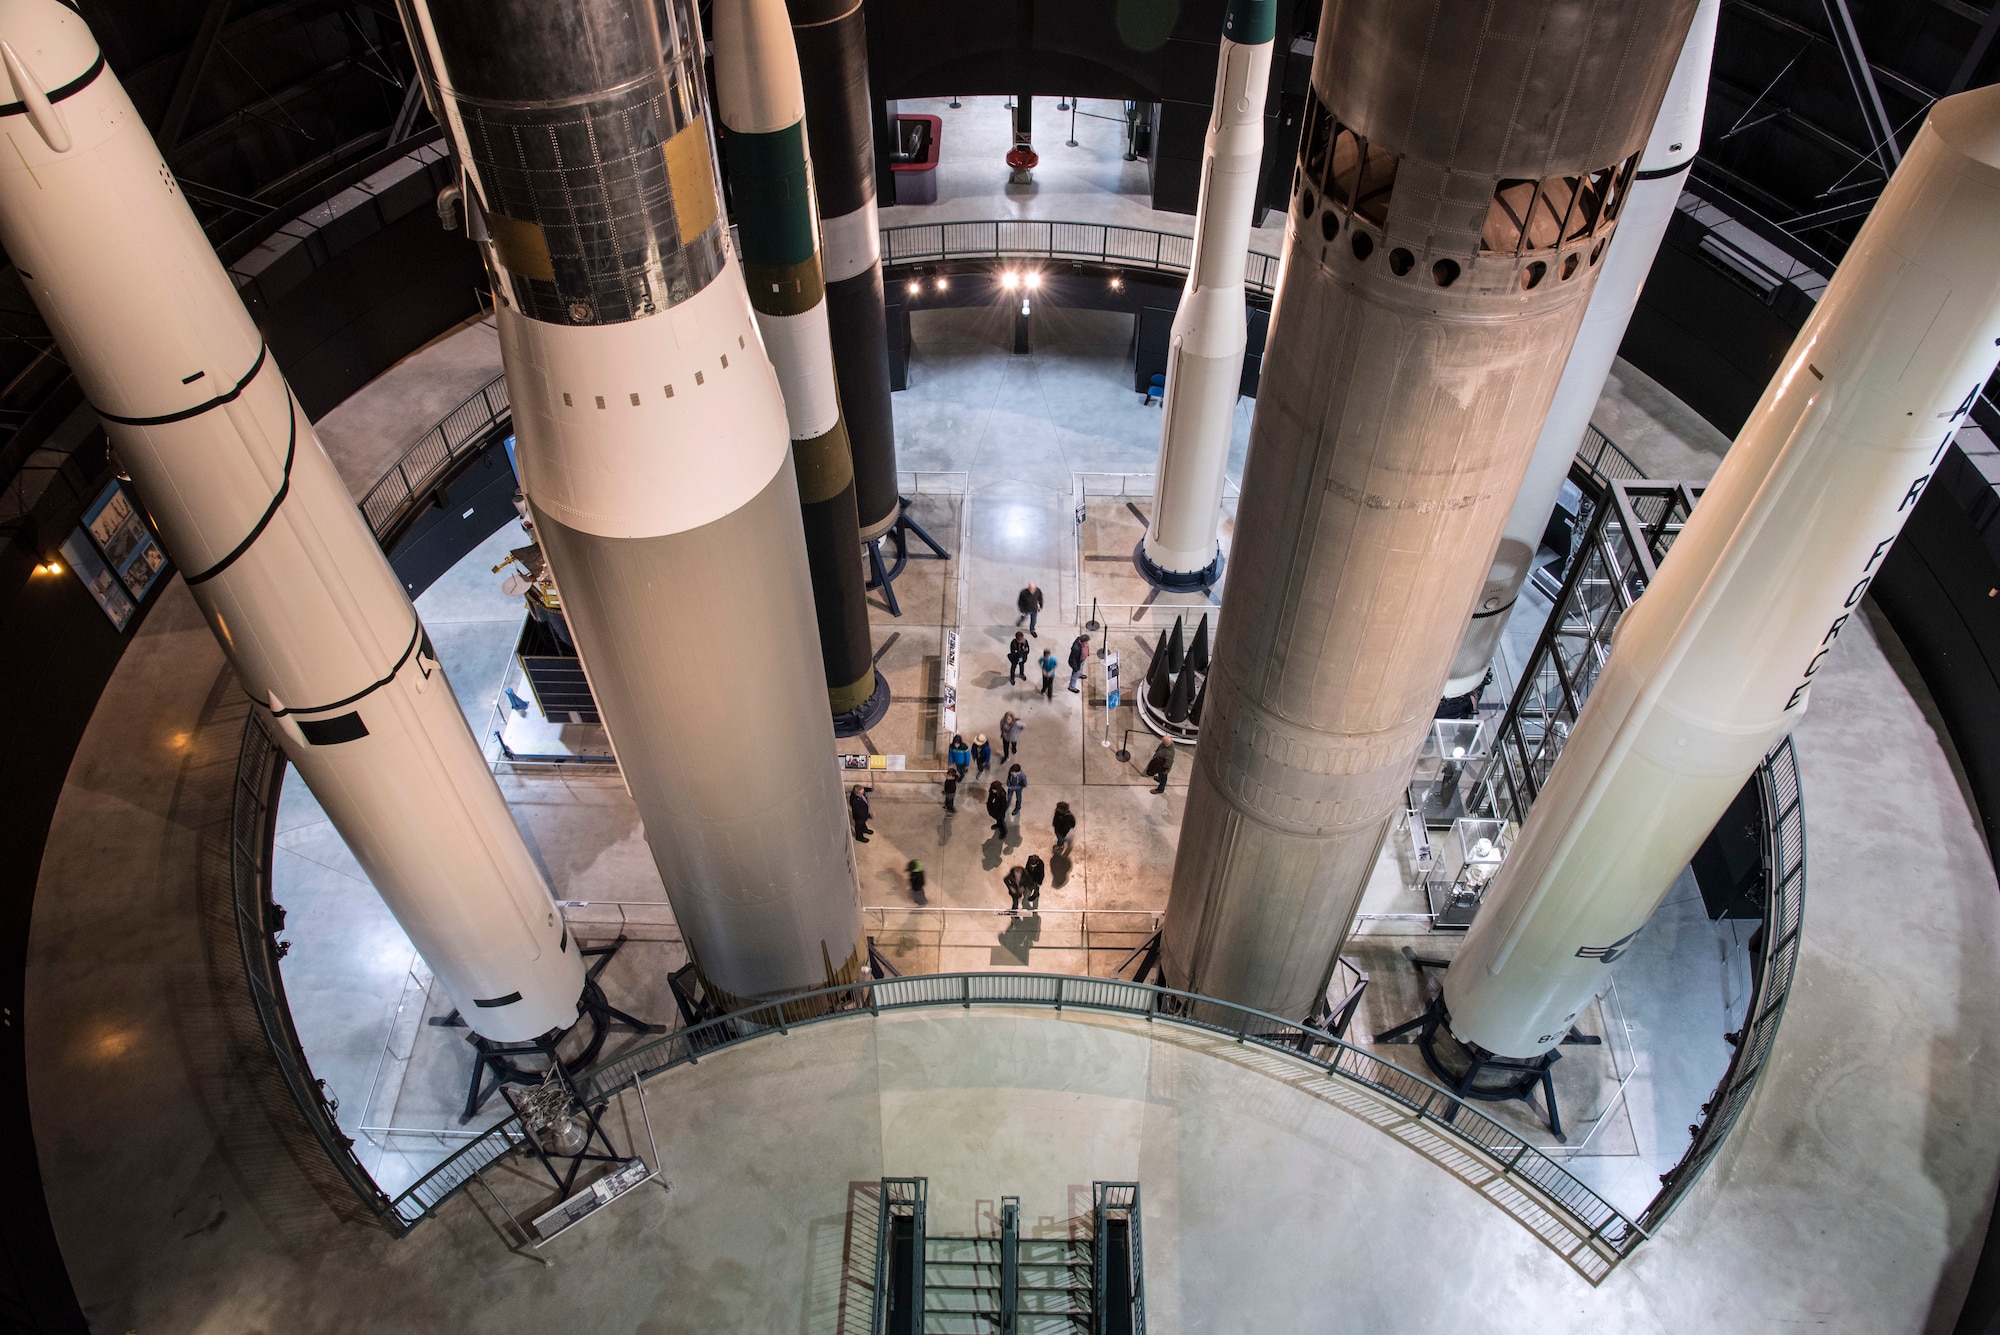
<point x="1008" y="1285"/>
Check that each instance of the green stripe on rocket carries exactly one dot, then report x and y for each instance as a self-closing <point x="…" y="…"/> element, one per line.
<point x="1250" y="22"/>
<point x="774" y="212"/>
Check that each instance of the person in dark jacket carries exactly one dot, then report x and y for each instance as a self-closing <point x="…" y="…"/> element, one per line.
<point x="1161" y="765"/>
<point x="958" y="755"/>
<point x="951" y="792"/>
<point x="1015" y="889"/>
<point x="1079" y="654"/>
<point x="1017" y="784"/>
<point x="857" y="810"/>
<point x="915" y="871"/>
<point x="982" y="755"/>
<point x="1017" y="658"/>
<point x="996" y="805"/>
<point x="1031" y="882"/>
<point x="1029" y="600"/>
<point x="1065" y="825"/>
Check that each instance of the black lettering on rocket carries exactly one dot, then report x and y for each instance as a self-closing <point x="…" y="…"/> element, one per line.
<point x="1916" y="490"/>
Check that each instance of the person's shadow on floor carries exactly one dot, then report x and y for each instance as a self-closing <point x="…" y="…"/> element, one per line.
<point x="990" y="852"/>
<point x="1059" y="865"/>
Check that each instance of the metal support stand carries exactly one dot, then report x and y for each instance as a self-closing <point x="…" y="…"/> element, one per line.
<point x="501" y="1058"/>
<point x="870" y="711"/>
<point x="1470" y="1071"/>
<point x="1177" y="581"/>
<point x="1148" y="956"/>
<point x="882" y="575"/>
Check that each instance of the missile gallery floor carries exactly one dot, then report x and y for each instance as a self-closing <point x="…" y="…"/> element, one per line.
<point x="1851" y="1196"/>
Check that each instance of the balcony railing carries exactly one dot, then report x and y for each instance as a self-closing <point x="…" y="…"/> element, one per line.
<point x="1027" y="238"/>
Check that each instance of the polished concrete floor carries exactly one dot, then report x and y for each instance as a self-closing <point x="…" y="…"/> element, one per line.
<point x="1853" y="1196"/>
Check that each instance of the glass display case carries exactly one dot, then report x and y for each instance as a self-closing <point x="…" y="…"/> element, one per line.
<point x="1463" y="863"/>
<point x="1453" y="755"/>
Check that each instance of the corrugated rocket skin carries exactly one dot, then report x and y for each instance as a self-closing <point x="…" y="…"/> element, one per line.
<point x="1406" y="374"/>
<point x="281" y="563"/>
<point x="832" y="43"/>
<point x="1642" y="225"/>
<point x="655" y="449"/>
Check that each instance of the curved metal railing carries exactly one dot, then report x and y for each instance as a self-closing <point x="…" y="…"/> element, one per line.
<point x="1029" y="238"/>
<point x="1602" y="1232"/>
<point x="259" y="765"/>
<point x="1772" y="967"/>
<point x="465" y="430"/>
<point x="1599" y="1234"/>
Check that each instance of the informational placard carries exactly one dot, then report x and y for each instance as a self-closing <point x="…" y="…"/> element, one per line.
<point x="1111" y="680"/>
<point x="948" y="687"/>
<point x="859" y="760"/>
<point x="115" y="554"/>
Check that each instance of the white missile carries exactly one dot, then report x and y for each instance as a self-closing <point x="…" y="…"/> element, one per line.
<point x="1716" y="662"/>
<point x="1205" y="351"/>
<point x="277" y="556"/>
<point x="656" y="454"/>
<point x="1649" y="207"/>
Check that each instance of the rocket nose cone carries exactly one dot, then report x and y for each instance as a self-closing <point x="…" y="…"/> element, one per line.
<point x="1970" y="123"/>
<point x="50" y="39"/>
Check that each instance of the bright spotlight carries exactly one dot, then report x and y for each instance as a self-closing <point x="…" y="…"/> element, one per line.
<point x="1034" y="281"/>
<point x="1010" y="280"/>
<point x="1117" y="283"/>
<point x="942" y="285"/>
<point x="915" y="287"/>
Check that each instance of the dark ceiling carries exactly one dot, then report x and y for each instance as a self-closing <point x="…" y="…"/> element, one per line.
<point x="258" y="105"/>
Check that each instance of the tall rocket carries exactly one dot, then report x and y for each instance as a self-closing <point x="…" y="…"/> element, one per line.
<point x="762" y="105"/>
<point x="311" y="617"/>
<point x="655" y="452"/>
<point x="832" y="44"/>
<point x="1458" y="185"/>
<point x="1649" y="207"/>
<point x="1205" y="351"/>
<point x="1716" y="662"/>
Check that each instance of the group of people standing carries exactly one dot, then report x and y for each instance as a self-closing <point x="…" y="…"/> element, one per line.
<point x="1004" y="794"/>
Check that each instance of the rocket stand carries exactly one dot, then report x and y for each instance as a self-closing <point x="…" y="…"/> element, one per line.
<point x="548" y="1154"/>
<point x="883" y="575"/>
<point x="1470" y="1071"/>
<point x="870" y="711"/>
<point x="499" y="1058"/>
<point x="1177" y="581"/>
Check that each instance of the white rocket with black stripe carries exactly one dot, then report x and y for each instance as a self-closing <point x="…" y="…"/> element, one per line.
<point x="280" y="561"/>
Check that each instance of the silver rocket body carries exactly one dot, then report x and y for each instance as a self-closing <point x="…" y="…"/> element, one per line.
<point x="278" y="558"/>
<point x="1205" y="349"/>
<point x="655" y="451"/>
<point x="1424" y="314"/>
<point x="1649" y="207"/>
<point x="1716" y="662"/>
